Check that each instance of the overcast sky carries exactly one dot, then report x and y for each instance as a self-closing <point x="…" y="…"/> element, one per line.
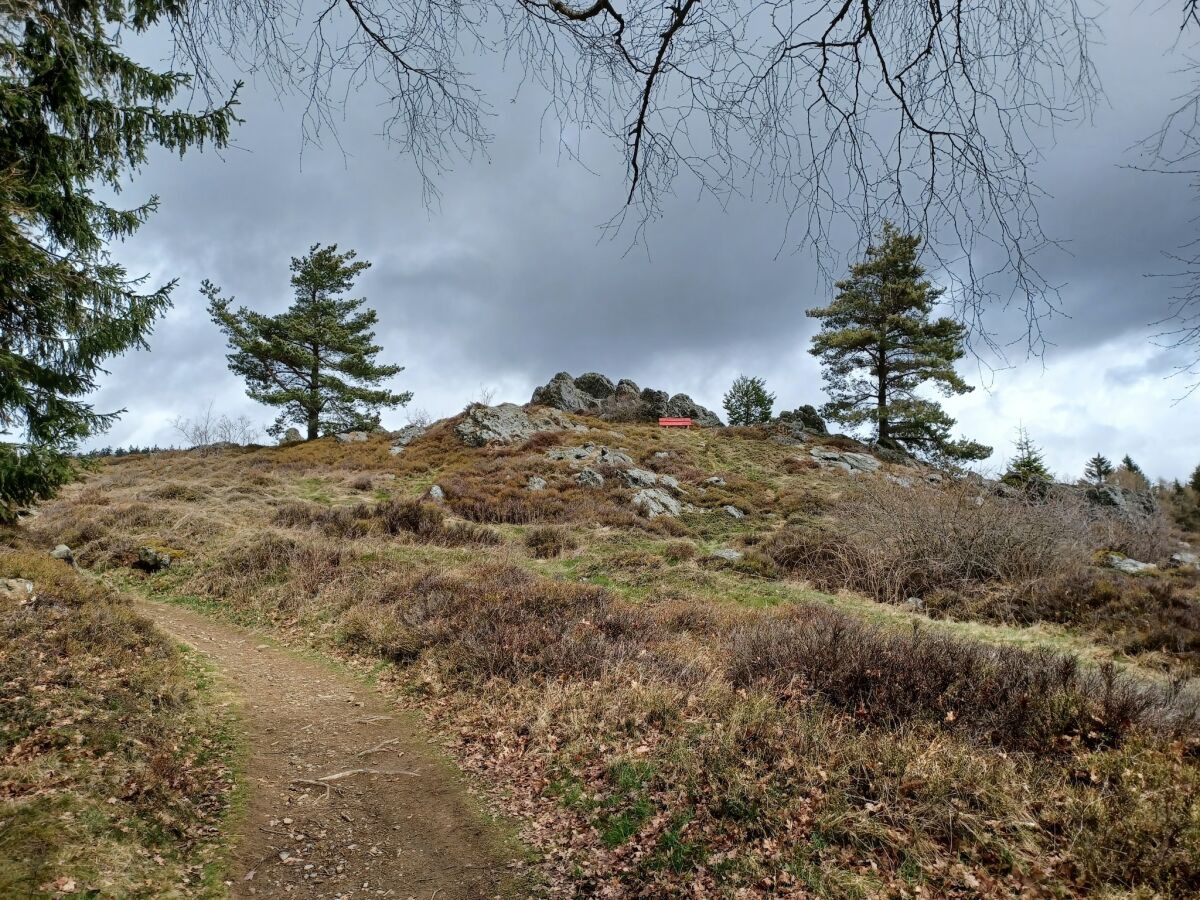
<point x="510" y="279"/>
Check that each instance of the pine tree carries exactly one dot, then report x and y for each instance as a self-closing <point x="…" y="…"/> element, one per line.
<point x="1194" y="481"/>
<point x="1028" y="466"/>
<point x="77" y="117"/>
<point x="1098" y="469"/>
<point x="317" y="359"/>
<point x="878" y="346"/>
<point x="747" y="402"/>
<point x="1134" y="476"/>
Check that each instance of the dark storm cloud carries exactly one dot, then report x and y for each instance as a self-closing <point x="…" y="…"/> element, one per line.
<point x="511" y="278"/>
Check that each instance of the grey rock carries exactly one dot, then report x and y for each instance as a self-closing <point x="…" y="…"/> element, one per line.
<point x="291" y="436"/>
<point x="627" y="390"/>
<point x="902" y="480"/>
<point x="535" y="483"/>
<point x="728" y="554"/>
<point x="507" y="422"/>
<point x="16" y="590"/>
<point x="63" y="552"/>
<point x="436" y="494"/>
<point x="1127" y="565"/>
<point x="639" y="478"/>
<point x="590" y="478"/>
<point x="684" y="406"/>
<point x="352" y="437"/>
<point x="404" y="437"/>
<point x="933" y="477"/>
<point x="662" y="454"/>
<point x="804" y="418"/>
<point x="715" y="481"/>
<point x="655" y="502"/>
<point x="916" y="604"/>
<point x="595" y="394"/>
<point x="670" y="481"/>
<point x="596" y="385"/>
<point x="1184" y="559"/>
<point x="844" y="459"/>
<point x="562" y="393"/>
<point x="591" y="453"/>
<point x="733" y="512"/>
<point x="152" y="560"/>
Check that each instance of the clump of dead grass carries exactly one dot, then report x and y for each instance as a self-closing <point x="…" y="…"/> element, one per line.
<point x="113" y="775"/>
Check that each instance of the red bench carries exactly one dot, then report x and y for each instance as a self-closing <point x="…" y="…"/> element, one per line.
<point x="675" y="423"/>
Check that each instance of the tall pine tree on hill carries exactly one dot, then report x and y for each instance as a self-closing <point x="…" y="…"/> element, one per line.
<point x="878" y="347"/>
<point x="1098" y="468"/>
<point x="316" y="360"/>
<point x="77" y="117"/>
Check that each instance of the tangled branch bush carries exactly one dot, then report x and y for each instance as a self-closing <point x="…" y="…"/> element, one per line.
<point x="893" y="542"/>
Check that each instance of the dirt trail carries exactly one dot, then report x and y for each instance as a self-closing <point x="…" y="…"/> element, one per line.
<point x="411" y="834"/>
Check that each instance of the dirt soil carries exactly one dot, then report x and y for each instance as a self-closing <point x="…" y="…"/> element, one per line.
<point x="316" y="824"/>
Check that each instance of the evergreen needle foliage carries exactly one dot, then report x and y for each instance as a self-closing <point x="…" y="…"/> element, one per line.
<point x="878" y="346"/>
<point x="76" y="115"/>
<point x="1194" y="481"/>
<point x="1098" y="468"/>
<point x="1028" y="466"/>
<point x="747" y="402"/>
<point x="317" y="359"/>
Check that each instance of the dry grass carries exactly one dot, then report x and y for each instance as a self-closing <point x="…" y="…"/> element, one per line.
<point x="686" y="746"/>
<point x="112" y="778"/>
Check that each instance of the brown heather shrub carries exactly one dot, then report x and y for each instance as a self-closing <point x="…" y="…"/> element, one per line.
<point x="680" y="551"/>
<point x="427" y="522"/>
<point x="174" y="490"/>
<point x="548" y="541"/>
<point x="541" y="441"/>
<point x="335" y="521"/>
<point x="362" y="483"/>
<point x="893" y="542"/>
<point x="1021" y="699"/>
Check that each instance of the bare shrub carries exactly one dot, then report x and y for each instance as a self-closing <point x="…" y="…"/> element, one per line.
<point x="362" y="483"/>
<point x="548" y="541"/>
<point x="207" y="429"/>
<point x="411" y="516"/>
<point x="894" y="542"/>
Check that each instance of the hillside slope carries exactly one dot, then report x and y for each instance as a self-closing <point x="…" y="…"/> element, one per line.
<point x="718" y="662"/>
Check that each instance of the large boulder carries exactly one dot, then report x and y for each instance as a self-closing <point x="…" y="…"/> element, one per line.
<point x="595" y="394"/>
<point x="683" y="406"/>
<point x="804" y="418"/>
<point x="596" y="385"/>
<point x="563" y="393"/>
<point x="506" y="423"/>
<point x="655" y="502"/>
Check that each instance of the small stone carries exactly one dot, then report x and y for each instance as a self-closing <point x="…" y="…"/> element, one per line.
<point x="63" y="552"/>
<point x="728" y="554"/>
<point x="639" y="478"/>
<point x="535" y="483"/>
<point x="352" y="437"/>
<point x="916" y="604"/>
<point x="733" y="512"/>
<point x="715" y="481"/>
<point x="436" y="494"/>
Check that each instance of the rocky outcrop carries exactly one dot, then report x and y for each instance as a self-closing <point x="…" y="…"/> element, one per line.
<point x="404" y="437"/>
<point x="654" y="502"/>
<point x="352" y="437"/>
<point x="595" y="395"/>
<point x="806" y="418"/>
<point x="291" y="436"/>
<point x="506" y="423"/>
<point x="829" y="458"/>
<point x="590" y="478"/>
<point x="590" y="453"/>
